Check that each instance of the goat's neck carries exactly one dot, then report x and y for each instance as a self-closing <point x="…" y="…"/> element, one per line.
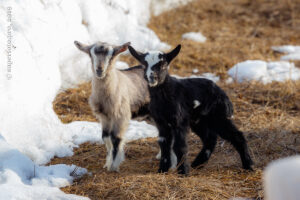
<point x="163" y="88"/>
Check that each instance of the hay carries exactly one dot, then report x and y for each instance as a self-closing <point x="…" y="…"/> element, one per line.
<point x="268" y="114"/>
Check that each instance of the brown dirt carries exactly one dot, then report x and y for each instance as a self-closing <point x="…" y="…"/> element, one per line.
<point x="237" y="30"/>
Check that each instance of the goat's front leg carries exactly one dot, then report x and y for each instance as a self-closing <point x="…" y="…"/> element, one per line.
<point x="165" y="143"/>
<point x="107" y="140"/>
<point x="106" y="127"/>
<point x="118" y="142"/>
<point x="180" y="149"/>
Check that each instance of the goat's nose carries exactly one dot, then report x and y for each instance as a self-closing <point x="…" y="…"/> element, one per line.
<point x="152" y="76"/>
<point x="99" y="71"/>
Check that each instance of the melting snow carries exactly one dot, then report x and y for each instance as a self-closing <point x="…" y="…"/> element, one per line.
<point x="264" y="72"/>
<point x="293" y="52"/>
<point x="195" y="36"/>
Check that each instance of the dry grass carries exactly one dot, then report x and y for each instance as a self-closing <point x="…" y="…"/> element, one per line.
<point x="269" y="115"/>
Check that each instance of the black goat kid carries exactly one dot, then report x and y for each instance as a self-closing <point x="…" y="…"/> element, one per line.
<point x="179" y="104"/>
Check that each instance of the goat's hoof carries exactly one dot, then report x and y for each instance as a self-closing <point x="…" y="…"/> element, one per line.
<point x="184" y="170"/>
<point x="247" y="165"/>
<point x="249" y="168"/>
<point x="197" y="166"/>
<point x="113" y="169"/>
<point x="160" y="170"/>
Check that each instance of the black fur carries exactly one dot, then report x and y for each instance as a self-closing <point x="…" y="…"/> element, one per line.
<point x="173" y="109"/>
<point x="138" y="67"/>
<point x="115" y="142"/>
<point x="142" y="112"/>
<point x="105" y="134"/>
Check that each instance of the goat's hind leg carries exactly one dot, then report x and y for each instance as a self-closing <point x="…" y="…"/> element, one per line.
<point x="228" y="131"/>
<point x="209" y="140"/>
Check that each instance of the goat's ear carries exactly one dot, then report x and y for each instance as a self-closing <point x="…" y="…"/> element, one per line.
<point x="120" y="49"/>
<point x="82" y="47"/>
<point x="171" y="55"/>
<point x="137" y="55"/>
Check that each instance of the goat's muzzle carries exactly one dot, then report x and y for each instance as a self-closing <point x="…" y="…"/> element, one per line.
<point x="99" y="72"/>
<point x="152" y="82"/>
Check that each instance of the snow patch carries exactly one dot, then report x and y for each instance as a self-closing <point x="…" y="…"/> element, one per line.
<point x="138" y="130"/>
<point x="20" y="177"/>
<point x="195" y="71"/>
<point x="121" y="65"/>
<point x="195" y="36"/>
<point x="293" y="52"/>
<point x="264" y="72"/>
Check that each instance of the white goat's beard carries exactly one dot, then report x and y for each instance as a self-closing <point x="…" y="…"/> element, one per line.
<point x="101" y="77"/>
<point x="153" y="84"/>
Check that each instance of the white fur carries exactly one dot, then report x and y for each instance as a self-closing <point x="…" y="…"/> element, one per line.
<point x="161" y="139"/>
<point x="158" y="156"/>
<point x="113" y="164"/>
<point x="173" y="159"/>
<point x="118" y="159"/>
<point x="282" y="179"/>
<point x="109" y="157"/>
<point x="152" y="58"/>
<point x="173" y="156"/>
<point x="196" y="103"/>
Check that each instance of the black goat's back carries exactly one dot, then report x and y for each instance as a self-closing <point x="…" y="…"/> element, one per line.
<point x="213" y="100"/>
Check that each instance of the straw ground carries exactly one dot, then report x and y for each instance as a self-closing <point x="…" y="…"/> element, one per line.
<point x="236" y="30"/>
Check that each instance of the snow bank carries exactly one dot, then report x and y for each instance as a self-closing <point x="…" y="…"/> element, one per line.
<point x="195" y="36"/>
<point x="19" y="173"/>
<point x="265" y="72"/>
<point x="293" y="52"/>
<point x="282" y="179"/>
<point x="20" y="178"/>
<point x="44" y="59"/>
